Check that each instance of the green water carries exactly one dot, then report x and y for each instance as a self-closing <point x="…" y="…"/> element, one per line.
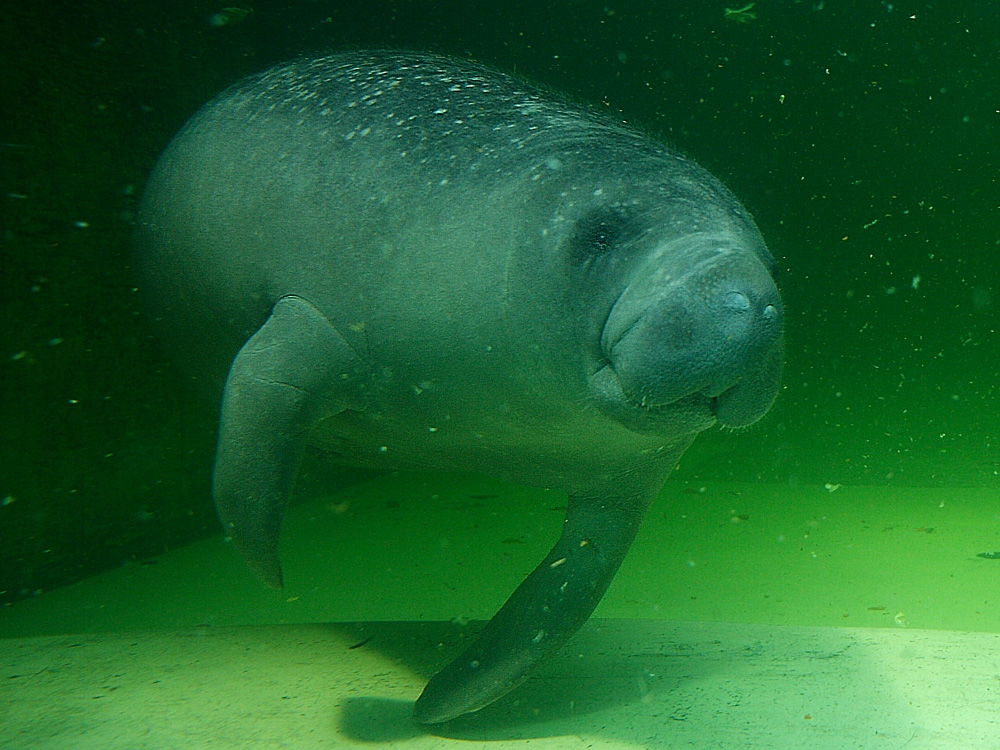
<point x="409" y="547"/>
<point x="861" y="135"/>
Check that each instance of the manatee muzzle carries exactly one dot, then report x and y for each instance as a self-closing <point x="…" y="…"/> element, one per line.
<point x="714" y="331"/>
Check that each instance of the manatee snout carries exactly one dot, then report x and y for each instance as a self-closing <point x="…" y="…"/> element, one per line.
<point x="712" y="331"/>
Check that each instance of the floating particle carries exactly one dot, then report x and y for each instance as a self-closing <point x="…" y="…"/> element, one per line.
<point x="745" y="14"/>
<point x="229" y="16"/>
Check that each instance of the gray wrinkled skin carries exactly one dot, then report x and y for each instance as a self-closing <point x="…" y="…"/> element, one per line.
<point x="419" y="263"/>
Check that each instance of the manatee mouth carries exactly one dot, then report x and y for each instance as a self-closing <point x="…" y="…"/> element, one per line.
<point x="683" y="393"/>
<point x="664" y="392"/>
<point x="684" y="414"/>
<point x="697" y="402"/>
<point x="729" y="404"/>
<point x="696" y="399"/>
<point x="696" y="405"/>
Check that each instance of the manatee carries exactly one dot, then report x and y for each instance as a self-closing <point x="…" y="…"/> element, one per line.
<point x="416" y="262"/>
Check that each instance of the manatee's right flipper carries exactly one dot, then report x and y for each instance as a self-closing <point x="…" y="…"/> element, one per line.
<point x="296" y="370"/>
<point x="546" y="609"/>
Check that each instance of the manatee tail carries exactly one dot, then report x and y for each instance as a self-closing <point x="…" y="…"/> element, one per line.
<point x="545" y="610"/>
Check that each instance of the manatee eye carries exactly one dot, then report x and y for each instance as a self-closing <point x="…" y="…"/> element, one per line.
<point x="598" y="233"/>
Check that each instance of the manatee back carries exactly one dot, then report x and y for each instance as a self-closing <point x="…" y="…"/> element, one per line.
<point x="367" y="178"/>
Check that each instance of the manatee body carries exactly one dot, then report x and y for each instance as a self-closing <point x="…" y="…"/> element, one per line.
<point x="419" y="263"/>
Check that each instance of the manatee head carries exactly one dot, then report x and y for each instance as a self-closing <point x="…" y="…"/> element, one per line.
<point x="692" y="334"/>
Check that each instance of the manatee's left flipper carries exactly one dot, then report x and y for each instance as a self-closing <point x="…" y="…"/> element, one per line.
<point x="546" y="609"/>
<point x="296" y="370"/>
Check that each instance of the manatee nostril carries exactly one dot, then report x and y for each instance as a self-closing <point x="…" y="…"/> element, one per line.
<point x="770" y="313"/>
<point x="736" y="301"/>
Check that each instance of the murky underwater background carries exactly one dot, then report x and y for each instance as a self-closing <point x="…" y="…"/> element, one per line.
<point x="862" y="135"/>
